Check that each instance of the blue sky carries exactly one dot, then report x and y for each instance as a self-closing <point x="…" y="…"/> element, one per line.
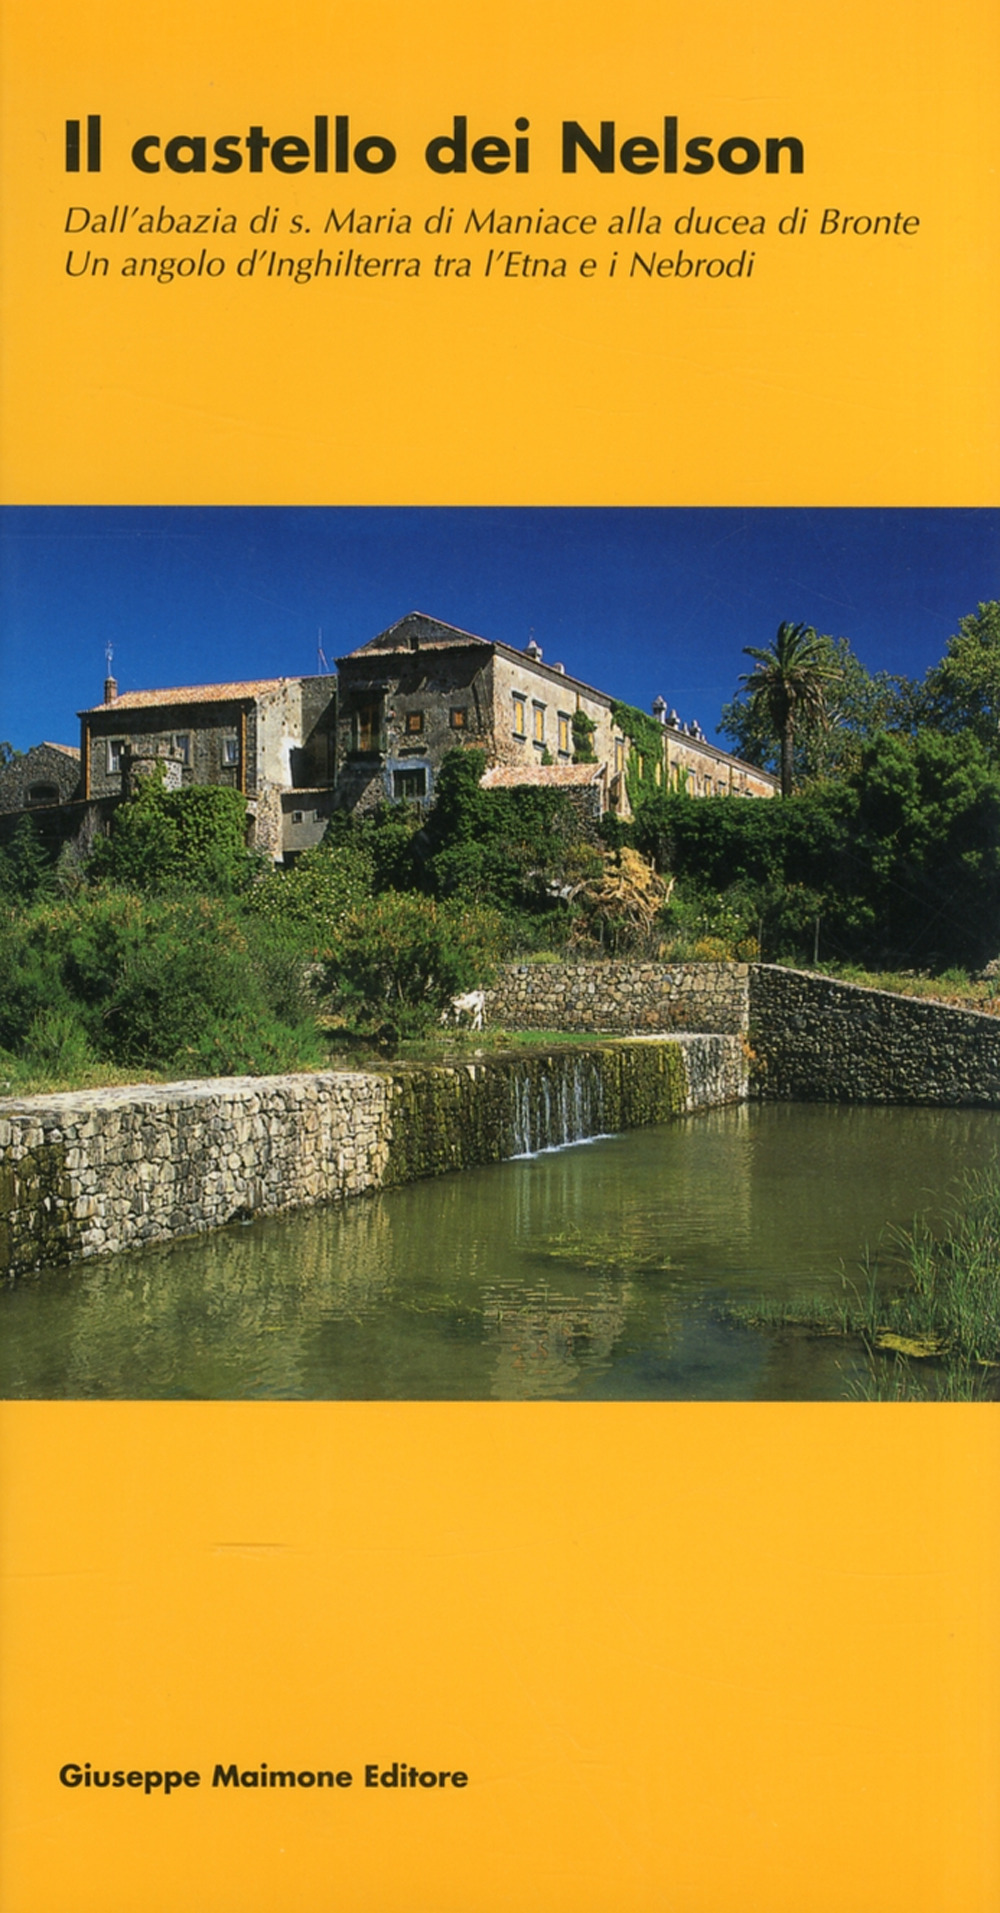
<point x="634" y="601"/>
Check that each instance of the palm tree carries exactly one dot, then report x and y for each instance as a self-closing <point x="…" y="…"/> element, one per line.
<point x="788" y="682"/>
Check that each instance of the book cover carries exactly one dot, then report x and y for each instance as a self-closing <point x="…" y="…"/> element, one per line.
<point x="697" y="1655"/>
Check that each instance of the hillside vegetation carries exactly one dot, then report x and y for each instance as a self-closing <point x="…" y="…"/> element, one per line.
<point x="171" y="949"/>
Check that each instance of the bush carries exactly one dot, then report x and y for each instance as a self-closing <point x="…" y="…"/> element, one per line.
<point x="57" y="1045"/>
<point x="311" y="898"/>
<point x="399" y="960"/>
<point x="175" y="984"/>
<point x="31" y="974"/>
<point x="169" y="840"/>
<point x="899" y="863"/>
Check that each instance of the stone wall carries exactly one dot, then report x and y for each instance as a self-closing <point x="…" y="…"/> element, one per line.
<point x="816" y="1040"/>
<point x="620" y="996"/>
<point x="54" y="768"/>
<point x="89" y="1172"/>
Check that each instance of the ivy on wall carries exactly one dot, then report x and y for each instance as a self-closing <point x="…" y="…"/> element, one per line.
<point x="644" y="766"/>
<point x="583" y="728"/>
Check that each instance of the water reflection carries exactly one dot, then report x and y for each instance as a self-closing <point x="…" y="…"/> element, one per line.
<point x="592" y="1273"/>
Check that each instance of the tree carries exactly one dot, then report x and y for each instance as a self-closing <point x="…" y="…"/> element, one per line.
<point x="859" y="704"/>
<point x="191" y="839"/>
<point x="963" y="691"/>
<point x="788" y="687"/>
<point x="396" y="963"/>
<point x="26" y="872"/>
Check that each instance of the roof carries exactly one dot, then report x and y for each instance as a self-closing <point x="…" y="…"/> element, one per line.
<point x="556" y="674"/>
<point x="190" y="694"/>
<point x="417" y="631"/>
<point x="420" y="632"/>
<point x="562" y="776"/>
<point x="68" y="750"/>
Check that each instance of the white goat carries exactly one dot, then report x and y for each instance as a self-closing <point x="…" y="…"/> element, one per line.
<point x="471" y="1005"/>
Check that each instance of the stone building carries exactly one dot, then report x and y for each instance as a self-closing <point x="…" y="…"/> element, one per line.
<point x="421" y="687"/>
<point x="33" y="780"/>
<point x="300" y="747"/>
<point x="271" y="738"/>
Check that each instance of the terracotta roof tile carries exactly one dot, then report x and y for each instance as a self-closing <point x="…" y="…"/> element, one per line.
<point x="510" y="776"/>
<point x="190" y="694"/>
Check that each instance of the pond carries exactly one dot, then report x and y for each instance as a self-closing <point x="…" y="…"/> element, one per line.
<point x="600" y="1271"/>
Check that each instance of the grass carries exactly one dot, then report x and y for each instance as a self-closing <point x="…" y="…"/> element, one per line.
<point x="955" y="987"/>
<point x="21" y="1078"/>
<point x="935" y="1336"/>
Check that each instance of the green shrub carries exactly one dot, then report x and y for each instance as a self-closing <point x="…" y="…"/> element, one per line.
<point x="154" y="982"/>
<point x="315" y="893"/>
<point x="31" y="974"/>
<point x="57" y="1045"/>
<point x="399" y="960"/>
<point x="900" y="862"/>
<point x="168" y="840"/>
<point x="253" y="1043"/>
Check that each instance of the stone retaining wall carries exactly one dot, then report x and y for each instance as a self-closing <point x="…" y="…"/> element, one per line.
<point x="620" y="996"/>
<point x="87" y="1173"/>
<point x="90" y="1172"/>
<point x="817" y="1040"/>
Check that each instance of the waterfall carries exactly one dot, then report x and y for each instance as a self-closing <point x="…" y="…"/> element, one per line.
<point x="450" y="1116"/>
<point x="557" y="1100"/>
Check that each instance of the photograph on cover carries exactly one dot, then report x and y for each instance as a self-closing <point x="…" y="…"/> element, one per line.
<point x="499" y="953"/>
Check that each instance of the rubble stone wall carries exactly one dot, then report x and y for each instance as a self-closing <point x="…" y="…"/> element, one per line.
<point x="89" y="1172"/>
<point x="620" y="996"/>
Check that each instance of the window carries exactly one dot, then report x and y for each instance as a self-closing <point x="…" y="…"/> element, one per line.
<point x="298" y="816"/>
<point x="565" y="724"/>
<point x="539" y="723"/>
<point x="182" y="745"/>
<point x="42" y="794"/>
<point x="230" y="750"/>
<point x="367" y="726"/>
<point x="458" y="717"/>
<point x="116" y="746"/>
<point x="414" y="723"/>
<point x="410" y="784"/>
<point x="520" y="716"/>
<point x="619" y="756"/>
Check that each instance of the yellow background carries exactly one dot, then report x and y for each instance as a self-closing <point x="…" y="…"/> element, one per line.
<point x="846" y="371"/>
<point x="707" y="1659"/>
<point x="694" y="1657"/>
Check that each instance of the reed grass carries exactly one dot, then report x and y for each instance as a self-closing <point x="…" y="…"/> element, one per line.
<point x="935" y="1335"/>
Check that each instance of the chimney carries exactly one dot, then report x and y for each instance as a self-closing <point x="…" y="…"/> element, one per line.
<point x="110" y="690"/>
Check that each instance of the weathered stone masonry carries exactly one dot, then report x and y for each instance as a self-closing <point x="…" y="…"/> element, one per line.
<point x="620" y="996"/>
<point x="86" y="1173"/>
<point x="814" y="1039"/>
<point x="817" y="1040"/>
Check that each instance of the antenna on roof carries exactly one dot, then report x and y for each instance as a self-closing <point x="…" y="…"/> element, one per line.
<point x="110" y="687"/>
<point x="320" y="653"/>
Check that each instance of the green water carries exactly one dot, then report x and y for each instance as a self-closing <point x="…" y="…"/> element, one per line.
<point x="589" y="1273"/>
